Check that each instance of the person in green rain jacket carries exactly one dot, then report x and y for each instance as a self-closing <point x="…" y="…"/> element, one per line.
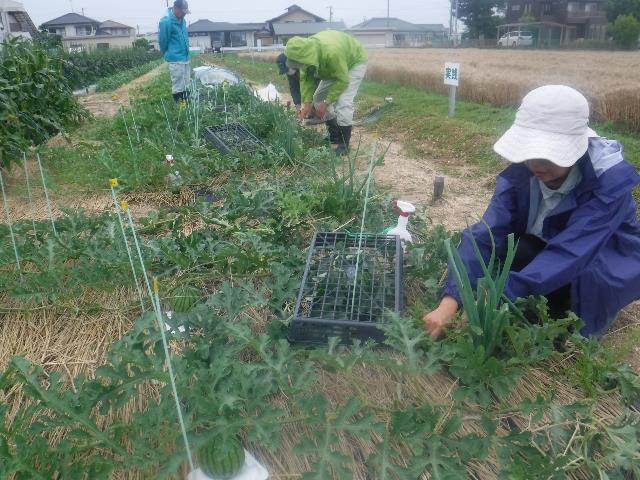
<point x="340" y="62"/>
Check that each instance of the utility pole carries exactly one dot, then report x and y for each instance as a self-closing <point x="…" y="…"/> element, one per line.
<point x="456" y="25"/>
<point x="453" y="22"/>
<point x="330" y="13"/>
<point x="387" y="13"/>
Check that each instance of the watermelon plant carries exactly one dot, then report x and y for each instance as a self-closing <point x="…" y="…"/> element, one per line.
<point x="85" y="68"/>
<point x="184" y="298"/>
<point x="417" y="408"/>
<point x="120" y="78"/>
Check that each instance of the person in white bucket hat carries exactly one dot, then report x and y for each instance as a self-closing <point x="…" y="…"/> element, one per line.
<point x="567" y="198"/>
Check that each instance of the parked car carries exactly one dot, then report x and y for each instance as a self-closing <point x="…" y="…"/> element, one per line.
<point x="516" y="39"/>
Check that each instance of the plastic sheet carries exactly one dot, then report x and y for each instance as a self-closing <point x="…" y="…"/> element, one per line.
<point x="268" y="94"/>
<point x="215" y="75"/>
<point x="252" y="470"/>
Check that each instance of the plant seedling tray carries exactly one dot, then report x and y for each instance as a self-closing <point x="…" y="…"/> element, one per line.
<point x="335" y="302"/>
<point x="231" y="137"/>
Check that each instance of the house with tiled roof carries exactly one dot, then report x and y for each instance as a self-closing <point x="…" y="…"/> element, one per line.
<point x="84" y="33"/>
<point x="295" y="21"/>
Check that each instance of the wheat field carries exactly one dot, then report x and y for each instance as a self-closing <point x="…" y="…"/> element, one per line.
<point x="610" y="80"/>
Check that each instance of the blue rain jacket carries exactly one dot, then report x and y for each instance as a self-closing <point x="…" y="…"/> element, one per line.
<point x="173" y="38"/>
<point x="593" y="237"/>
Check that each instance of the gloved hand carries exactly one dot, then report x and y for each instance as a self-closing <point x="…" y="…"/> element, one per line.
<point x="321" y="110"/>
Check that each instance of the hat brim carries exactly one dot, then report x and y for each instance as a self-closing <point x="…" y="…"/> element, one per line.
<point x="520" y="144"/>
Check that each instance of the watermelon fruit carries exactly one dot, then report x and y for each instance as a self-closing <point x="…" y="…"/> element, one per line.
<point x="221" y="458"/>
<point x="184" y="298"/>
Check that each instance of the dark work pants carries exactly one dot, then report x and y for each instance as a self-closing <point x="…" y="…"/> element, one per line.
<point x="529" y="246"/>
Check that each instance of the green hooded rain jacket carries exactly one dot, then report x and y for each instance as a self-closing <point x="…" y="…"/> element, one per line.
<point x="332" y="54"/>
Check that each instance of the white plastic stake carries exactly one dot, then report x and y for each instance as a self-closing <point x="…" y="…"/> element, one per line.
<point x="113" y="183"/>
<point x="174" y="388"/>
<point x="26" y="176"/>
<point x="364" y="216"/>
<point x="135" y="126"/>
<point x="128" y="134"/>
<point x="8" y="212"/>
<point x="155" y="300"/>
<point x="166" y="116"/>
<point x="46" y="195"/>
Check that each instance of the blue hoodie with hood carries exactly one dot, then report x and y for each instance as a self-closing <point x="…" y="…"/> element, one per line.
<point x="173" y="38"/>
<point x="593" y="237"/>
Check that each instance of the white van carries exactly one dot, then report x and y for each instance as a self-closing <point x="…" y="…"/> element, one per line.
<point x="516" y="39"/>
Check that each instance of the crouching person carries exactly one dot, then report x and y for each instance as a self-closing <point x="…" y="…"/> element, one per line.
<point x="339" y="61"/>
<point x="567" y="198"/>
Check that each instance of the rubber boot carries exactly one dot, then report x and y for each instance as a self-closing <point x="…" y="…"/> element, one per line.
<point x="334" y="131"/>
<point x="345" y="138"/>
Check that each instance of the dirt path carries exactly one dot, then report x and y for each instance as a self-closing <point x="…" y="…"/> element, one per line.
<point x="412" y="179"/>
<point x="107" y="104"/>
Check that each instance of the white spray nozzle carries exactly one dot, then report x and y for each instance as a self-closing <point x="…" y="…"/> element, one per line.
<point x="405" y="207"/>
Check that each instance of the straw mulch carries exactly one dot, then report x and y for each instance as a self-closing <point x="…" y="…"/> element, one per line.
<point x="73" y="342"/>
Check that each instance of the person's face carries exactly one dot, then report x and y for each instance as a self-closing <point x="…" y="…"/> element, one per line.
<point x="547" y="171"/>
<point x="179" y="13"/>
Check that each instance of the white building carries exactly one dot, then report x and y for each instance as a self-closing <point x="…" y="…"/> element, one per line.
<point x="15" y="21"/>
<point x="396" y="33"/>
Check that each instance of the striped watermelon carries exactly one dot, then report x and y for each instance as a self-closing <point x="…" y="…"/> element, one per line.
<point x="184" y="298"/>
<point x="221" y="458"/>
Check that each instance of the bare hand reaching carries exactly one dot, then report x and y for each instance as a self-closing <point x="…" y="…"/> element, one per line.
<point x="438" y="320"/>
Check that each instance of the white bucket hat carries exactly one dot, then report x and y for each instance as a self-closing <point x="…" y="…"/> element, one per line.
<point x="551" y="124"/>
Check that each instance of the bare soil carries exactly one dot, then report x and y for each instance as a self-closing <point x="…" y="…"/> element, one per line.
<point x="412" y="179"/>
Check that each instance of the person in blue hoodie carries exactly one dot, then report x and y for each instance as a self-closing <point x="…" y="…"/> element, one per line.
<point x="567" y="198"/>
<point x="174" y="45"/>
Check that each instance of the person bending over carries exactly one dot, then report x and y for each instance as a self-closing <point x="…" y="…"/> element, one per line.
<point x="339" y="61"/>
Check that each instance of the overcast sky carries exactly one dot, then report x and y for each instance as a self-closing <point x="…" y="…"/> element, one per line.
<point x="146" y="13"/>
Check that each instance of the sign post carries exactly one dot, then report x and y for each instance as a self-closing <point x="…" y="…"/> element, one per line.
<point x="452" y="78"/>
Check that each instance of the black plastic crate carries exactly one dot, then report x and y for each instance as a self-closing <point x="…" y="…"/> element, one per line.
<point x="232" y="137"/>
<point x="205" y="195"/>
<point x="334" y="302"/>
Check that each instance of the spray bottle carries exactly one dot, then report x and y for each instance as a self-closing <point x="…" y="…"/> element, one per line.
<point x="174" y="180"/>
<point x="403" y="221"/>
